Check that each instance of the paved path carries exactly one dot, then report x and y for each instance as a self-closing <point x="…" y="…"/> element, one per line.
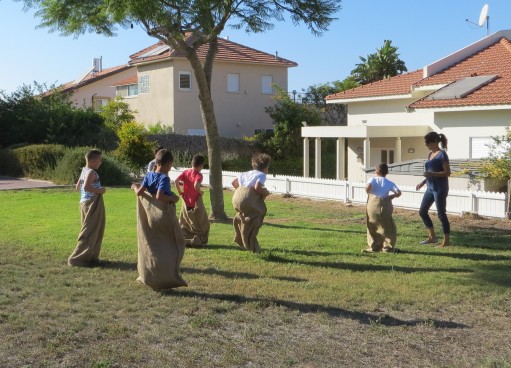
<point x="16" y="183"/>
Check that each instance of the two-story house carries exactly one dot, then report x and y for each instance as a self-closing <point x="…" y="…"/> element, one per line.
<point x="465" y="95"/>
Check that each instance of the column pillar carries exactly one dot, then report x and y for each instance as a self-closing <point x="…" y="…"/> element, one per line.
<point x="397" y="155"/>
<point x="306" y="157"/>
<point x="317" y="163"/>
<point x="367" y="153"/>
<point x="340" y="159"/>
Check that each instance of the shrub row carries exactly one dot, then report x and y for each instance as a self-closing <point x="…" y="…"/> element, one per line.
<point x="59" y="164"/>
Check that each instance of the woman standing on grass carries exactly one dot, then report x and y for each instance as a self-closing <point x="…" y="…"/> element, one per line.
<point x="437" y="172"/>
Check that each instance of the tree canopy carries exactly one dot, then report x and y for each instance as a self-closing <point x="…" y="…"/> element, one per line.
<point x="185" y="26"/>
<point x="384" y="63"/>
<point x="332" y="114"/>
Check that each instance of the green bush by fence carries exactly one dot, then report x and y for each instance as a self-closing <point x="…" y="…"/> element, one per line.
<point x="59" y="164"/>
<point x="9" y="163"/>
<point x="111" y="171"/>
<point x="39" y="160"/>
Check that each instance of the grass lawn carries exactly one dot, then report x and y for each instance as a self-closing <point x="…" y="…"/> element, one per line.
<point x="311" y="298"/>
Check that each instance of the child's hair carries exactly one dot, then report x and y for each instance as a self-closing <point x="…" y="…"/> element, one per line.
<point x="93" y="154"/>
<point x="434" y="137"/>
<point x="383" y="169"/>
<point x="260" y="161"/>
<point x="197" y="160"/>
<point x="163" y="157"/>
<point x="157" y="149"/>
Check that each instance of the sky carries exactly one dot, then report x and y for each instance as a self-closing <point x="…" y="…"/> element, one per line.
<point x="423" y="31"/>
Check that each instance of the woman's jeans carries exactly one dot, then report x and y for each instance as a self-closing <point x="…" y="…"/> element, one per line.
<point x="440" y="200"/>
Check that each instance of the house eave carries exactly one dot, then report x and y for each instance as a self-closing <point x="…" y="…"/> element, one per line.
<point x="364" y="131"/>
<point x="463" y="108"/>
<point x="368" y="99"/>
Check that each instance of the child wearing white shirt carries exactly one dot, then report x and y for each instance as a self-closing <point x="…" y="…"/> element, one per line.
<point x="381" y="228"/>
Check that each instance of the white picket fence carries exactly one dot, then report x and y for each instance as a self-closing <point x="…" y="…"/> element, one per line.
<point x="488" y="204"/>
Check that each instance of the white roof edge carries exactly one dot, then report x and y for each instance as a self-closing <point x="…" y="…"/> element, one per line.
<point x="364" y="99"/>
<point x="453" y="58"/>
<point x="431" y="87"/>
<point x="465" y="108"/>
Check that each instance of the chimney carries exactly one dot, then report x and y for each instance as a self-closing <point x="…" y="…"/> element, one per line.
<point x="276" y="54"/>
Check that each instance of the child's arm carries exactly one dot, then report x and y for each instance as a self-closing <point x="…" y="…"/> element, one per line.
<point x="78" y="183"/>
<point x="138" y="189"/>
<point x="368" y="188"/>
<point x="396" y="194"/>
<point x="178" y="182"/>
<point x="161" y="196"/>
<point x="235" y="183"/>
<point x="260" y="188"/>
<point x="87" y="184"/>
<point x="196" y="185"/>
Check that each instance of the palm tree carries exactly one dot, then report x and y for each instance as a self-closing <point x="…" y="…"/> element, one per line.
<point x="384" y="63"/>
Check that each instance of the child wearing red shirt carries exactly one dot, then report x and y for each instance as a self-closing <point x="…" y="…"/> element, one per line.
<point x="193" y="217"/>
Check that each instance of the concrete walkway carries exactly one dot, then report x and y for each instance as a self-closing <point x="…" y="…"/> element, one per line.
<point x="7" y="183"/>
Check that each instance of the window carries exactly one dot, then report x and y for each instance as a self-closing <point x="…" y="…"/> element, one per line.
<point x="99" y="102"/>
<point x="125" y="91"/>
<point x="143" y="84"/>
<point x="185" y="81"/>
<point x="387" y="156"/>
<point x="266" y="84"/>
<point x="480" y="147"/>
<point x="233" y="83"/>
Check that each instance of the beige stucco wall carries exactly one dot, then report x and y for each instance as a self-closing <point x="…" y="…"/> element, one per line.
<point x="390" y="112"/>
<point x="82" y="97"/>
<point x="237" y="114"/>
<point x="460" y="127"/>
<point x="156" y="105"/>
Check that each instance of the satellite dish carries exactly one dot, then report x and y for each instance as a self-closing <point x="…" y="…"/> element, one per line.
<point x="483" y="17"/>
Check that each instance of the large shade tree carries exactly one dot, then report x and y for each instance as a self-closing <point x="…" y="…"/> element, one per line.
<point x="186" y="26"/>
<point x="384" y="63"/>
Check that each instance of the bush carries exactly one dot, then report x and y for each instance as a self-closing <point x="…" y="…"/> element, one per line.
<point x="134" y="149"/>
<point x="9" y="163"/>
<point x="111" y="172"/>
<point x="39" y="160"/>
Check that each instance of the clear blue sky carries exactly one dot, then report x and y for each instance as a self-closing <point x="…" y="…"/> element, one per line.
<point x="424" y="31"/>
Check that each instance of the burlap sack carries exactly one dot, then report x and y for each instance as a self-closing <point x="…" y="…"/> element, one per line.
<point x="250" y="211"/>
<point x="195" y="222"/>
<point x="86" y="252"/>
<point x="381" y="228"/>
<point x="161" y="244"/>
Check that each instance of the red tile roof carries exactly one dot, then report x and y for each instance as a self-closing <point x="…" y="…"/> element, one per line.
<point x="93" y="77"/>
<point x="494" y="59"/>
<point x="228" y="51"/>
<point x="398" y="85"/>
<point x="128" y="81"/>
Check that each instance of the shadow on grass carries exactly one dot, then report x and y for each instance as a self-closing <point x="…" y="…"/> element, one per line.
<point x="361" y="317"/>
<point x="468" y="256"/>
<point x="237" y="275"/>
<point x="217" y="246"/>
<point x="314" y="228"/>
<point x="494" y="274"/>
<point x="495" y="239"/>
<point x="308" y="253"/>
<point x="117" y="265"/>
<point x="360" y="267"/>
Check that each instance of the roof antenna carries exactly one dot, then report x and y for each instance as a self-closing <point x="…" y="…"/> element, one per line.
<point x="483" y="18"/>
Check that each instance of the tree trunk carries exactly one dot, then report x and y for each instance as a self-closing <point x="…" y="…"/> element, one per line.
<point x="212" y="139"/>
